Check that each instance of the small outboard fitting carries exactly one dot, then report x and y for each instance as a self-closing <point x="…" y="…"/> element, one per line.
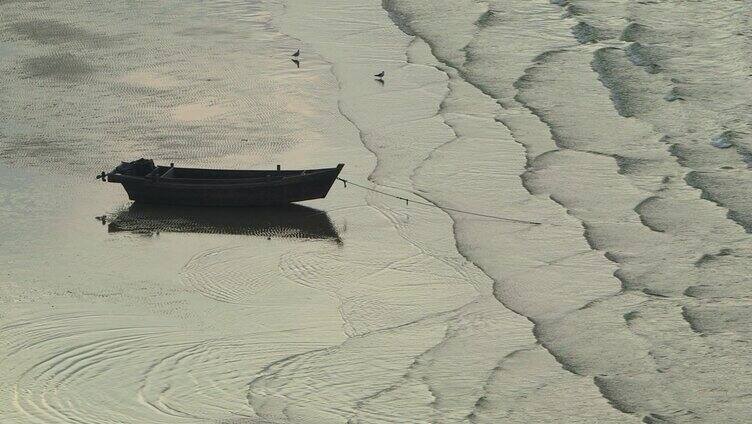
<point x="102" y="176"/>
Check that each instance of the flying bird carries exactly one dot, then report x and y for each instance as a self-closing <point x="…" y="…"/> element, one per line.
<point x="380" y="75"/>
<point x="296" y="54"/>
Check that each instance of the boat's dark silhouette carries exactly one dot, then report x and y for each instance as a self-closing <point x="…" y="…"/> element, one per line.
<point x="283" y="221"/>
<point x="170" y="185"/>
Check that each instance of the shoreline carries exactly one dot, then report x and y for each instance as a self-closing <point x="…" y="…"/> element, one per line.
<point x="387" y="175"/>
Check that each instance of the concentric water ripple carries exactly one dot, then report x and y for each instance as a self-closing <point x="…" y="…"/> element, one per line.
<point x="115" y="368"/>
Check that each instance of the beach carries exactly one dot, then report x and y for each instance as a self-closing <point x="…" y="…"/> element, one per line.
<point x="575" y="249"/>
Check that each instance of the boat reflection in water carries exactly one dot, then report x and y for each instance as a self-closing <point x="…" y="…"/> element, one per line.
<point x="292" y="220"/>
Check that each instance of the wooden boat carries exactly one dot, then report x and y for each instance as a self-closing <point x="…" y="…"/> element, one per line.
<point x="169" y="185"/>
<point x="288" y="221"/>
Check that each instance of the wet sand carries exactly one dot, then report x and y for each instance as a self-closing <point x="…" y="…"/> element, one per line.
<point x="628" y="304"/>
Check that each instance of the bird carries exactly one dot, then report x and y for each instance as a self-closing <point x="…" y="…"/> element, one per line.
<point x="380" y="75"/>
<point x="296" y="54"/>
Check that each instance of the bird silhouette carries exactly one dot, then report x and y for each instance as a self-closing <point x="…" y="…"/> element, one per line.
<point x="296" y="54"/>
<point x="380" y="75"/>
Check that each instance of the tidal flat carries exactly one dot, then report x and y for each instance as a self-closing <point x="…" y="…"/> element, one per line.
<point x="622" y="128"/>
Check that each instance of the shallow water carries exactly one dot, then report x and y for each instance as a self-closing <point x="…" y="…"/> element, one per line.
<point x="623" y="127"/>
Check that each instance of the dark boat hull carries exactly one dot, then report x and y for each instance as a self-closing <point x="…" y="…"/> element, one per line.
<point x="271" y="188"/>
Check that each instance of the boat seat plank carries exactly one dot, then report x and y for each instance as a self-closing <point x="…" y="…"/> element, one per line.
<point x="170" y="173"/>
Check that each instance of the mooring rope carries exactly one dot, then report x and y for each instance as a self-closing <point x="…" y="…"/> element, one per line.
<point x="407" y="202"/>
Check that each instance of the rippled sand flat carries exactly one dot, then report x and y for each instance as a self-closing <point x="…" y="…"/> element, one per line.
<point x="622" y="127"/>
